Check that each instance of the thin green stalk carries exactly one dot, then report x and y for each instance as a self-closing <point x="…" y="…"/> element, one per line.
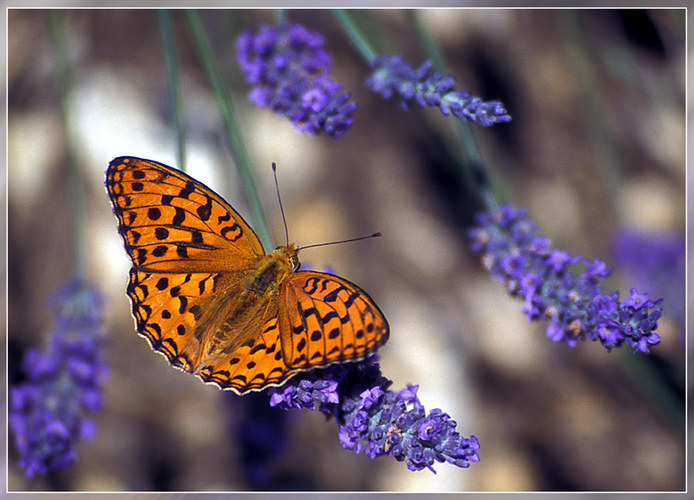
<point x="172" y="83"/>
<point x="206" y="56"/>
<point x="472" y="165"/>
<point x="281" y="16"/>
<point x="592" y="100"/>
<point x="58" y="29"/>
<point x="356" y="36"/>
<point x="649" y="382"/>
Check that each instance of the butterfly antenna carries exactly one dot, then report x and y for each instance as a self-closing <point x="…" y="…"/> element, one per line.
<point x="279" y="199"/>
<point x="375" y="235"/>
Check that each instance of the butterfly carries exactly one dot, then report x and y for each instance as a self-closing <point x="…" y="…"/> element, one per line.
<point x="209" y="298"/>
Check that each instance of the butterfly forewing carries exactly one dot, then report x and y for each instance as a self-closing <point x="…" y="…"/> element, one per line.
<point x="172" y="223"/>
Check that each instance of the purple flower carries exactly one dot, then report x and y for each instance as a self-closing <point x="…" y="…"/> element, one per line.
<point x="394" y="77"/>
<point x="48" y="412"/>
<point x="288" y="67"/>
<point x="371" y="396"/>
<point x="306" y="393"/>
<point x="577" y="309"/>
<point x="377" y="421"/>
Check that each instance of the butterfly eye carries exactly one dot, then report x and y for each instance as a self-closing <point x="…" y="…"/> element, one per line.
<point x="294" y="261"/>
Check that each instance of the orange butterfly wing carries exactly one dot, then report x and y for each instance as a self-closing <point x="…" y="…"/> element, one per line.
<point x="327" y="319"/>
<point x="194" y="258"/>
<point x="184" y="241"/>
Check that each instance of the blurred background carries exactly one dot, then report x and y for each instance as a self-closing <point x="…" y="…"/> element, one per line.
<point x="596" y="148"/>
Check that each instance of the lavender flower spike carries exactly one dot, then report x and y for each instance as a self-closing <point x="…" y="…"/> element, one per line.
<point x="513" y="251"/>
<point x="393" y="76"/>
<point x="48" y="412"/>
<point x="377" y="421"/>
<point x="288" y="67"/>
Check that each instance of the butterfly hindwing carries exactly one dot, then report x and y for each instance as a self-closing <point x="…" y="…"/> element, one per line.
<point x="326" y="319"/>
<point x="250" y="367"/>
<point x="168" y="309"/>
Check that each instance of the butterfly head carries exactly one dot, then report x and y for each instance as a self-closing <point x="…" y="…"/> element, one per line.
<point x="290" y="254"/>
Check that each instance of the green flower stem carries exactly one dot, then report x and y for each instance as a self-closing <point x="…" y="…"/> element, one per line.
<point x="356" y="36"/>
<point x="281" y="16"/>
<point x="206" y="56"/>
<point x="58" y="29"/>
<point x="579" y="54"/>
<point x="473" y="169"/>
<point x="651" y="384"/>
<point x="172" y="83"/>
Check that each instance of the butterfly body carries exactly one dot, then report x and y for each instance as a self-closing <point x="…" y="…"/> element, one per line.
<point x="254" y="295"/>
<point x="206" y="295"/>
<point x="270" y="273"/>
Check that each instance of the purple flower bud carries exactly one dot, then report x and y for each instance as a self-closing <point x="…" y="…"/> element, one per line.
<point x="47" y="413"/>
<point x="288" y="67"/>
<point x="515" y="253"/>
<point x="394" y="77"/>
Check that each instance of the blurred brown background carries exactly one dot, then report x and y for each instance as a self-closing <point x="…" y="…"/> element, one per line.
<point x="596" y="143"/>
